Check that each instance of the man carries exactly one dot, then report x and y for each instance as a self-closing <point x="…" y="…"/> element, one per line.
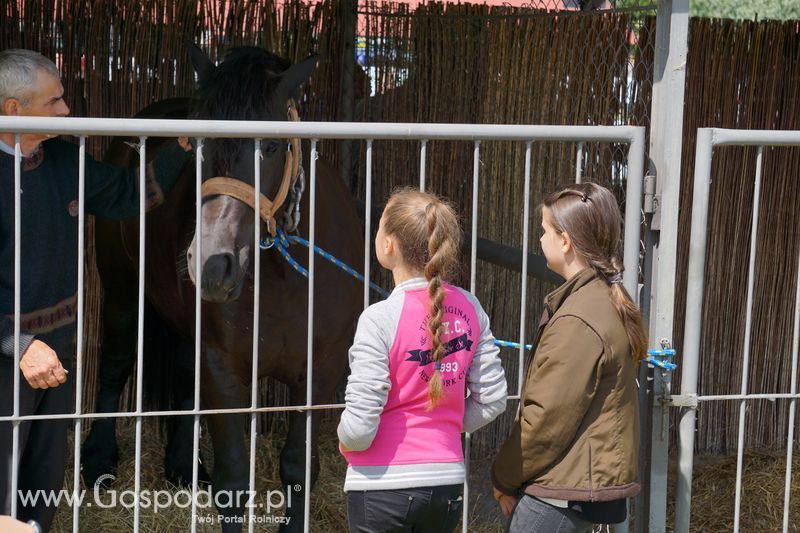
<point x="30" y="86"/>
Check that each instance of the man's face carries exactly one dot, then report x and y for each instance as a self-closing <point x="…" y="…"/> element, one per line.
<point x="47" y="100"/>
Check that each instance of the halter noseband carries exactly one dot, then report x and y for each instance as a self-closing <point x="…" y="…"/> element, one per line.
<point x="246" y="193"/>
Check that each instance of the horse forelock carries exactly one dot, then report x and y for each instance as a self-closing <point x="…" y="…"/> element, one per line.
<point x="242" y="87"/>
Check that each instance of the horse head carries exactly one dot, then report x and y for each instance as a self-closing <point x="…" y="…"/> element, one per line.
<point x="250" y="84"/>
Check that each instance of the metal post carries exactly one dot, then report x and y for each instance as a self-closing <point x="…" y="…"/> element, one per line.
<point x="312" y="211"/>
<point x="693" y="325"/>
<point x="368" y="223"/>
<point x="256" y="302"/>
<point x="137" y="477"/>
<point x="76" y="465"/>
<point x="423" y="152"/>
<point x="476" y="161"/>
<point x="748" y="327"/>
<point x="666" y="138"/>
<point x="793" y="403"/>
<point x="198" y="177"/>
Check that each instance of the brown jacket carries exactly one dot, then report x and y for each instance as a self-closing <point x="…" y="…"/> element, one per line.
<point x="576" y="436"/>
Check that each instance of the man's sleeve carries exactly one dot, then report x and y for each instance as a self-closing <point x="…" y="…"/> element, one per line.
<point x="367" y="386"/>
<point x="559" y="389"/>
<point x="7" y="338"/>
<point x="113" y="192"/>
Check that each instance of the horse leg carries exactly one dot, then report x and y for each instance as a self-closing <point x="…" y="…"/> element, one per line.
<point x="180" y="430"/>
<point x="99" y="455"/>
<point x="293" y="460"/>
<point x="221" y="390"/>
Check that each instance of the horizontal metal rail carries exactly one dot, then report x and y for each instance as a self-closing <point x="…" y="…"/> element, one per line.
<point x="315" y="130"/>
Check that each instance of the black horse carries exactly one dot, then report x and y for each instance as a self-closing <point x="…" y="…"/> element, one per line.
<point x="250" y="84"/>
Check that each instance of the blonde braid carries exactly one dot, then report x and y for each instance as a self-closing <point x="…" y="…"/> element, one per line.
<point x="440" y="252"/>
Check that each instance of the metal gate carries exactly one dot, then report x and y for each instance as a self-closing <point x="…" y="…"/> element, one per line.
<point x="690" y="398"/>
<point x="83" y="127"/>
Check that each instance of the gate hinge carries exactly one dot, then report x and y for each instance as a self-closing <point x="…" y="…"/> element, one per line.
<point x="652" y="202"/>
<point x="681" y="400"/>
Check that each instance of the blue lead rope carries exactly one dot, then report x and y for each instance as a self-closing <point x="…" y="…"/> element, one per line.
<point x="281" y="242"/>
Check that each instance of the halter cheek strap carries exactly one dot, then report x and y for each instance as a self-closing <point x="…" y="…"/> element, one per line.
<point x="226" y="186"/>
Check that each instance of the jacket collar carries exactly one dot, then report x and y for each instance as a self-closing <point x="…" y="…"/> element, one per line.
<point x="555" y="299"/>
<point x="410" y="284"/>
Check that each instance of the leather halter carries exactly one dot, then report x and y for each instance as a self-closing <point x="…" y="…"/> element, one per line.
<point x="246" y="193"/>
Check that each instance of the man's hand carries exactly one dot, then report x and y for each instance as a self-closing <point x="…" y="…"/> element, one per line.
<point x="41" y="367"/>
<point x="507" y="503"/>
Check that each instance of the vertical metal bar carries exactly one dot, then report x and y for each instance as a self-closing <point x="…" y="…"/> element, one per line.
<point x="17" y="301"/>
<point x="368" y="224"/>
<point x="658" y="298"/>
<point x="423" y="153"/>
<point x="476" y="162"/>
<point x="633" y="210"/>
<point x="525" y="237"/>
<point x="579" y="163"/>
<point x="312" y="208"/>
<point x="198" y="274"/>
<point x="692" y="325"/>
<point x="137" y="481"/>
<point x="633" y="213"/>
<point x="787" y="491"/>
<point x="473" y="263"/>
<point x="76" y="465"/>
<point x="256" y="302"/>
<point x="751" y="274"/>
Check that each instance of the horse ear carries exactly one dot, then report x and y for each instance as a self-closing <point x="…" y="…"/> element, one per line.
<point x="200" y="61"/>
<point x="294" y="76"/>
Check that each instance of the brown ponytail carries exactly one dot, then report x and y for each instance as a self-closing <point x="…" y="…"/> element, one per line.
<point x="590" y="215"/>
<point x="428" y="235"/>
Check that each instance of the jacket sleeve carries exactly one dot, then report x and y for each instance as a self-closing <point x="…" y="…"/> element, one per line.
<point x="7" y="338"/>
<point x="561" y="383"/>
<point x="113" y="191"/>
<point x="486" y="380"/>
<point x="367" y="386"/>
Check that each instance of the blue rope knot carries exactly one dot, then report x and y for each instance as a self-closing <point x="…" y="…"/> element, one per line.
<point x="662" y="358"/>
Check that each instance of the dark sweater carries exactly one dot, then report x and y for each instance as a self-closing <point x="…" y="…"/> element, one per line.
<point x="49" y="226"/>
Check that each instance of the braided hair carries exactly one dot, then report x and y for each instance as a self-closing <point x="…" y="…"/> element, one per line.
<point x="428" y="235"/>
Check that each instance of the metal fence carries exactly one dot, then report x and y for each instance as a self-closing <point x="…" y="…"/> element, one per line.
<point x="689" y="398"/>
<point x="84" y="127"/>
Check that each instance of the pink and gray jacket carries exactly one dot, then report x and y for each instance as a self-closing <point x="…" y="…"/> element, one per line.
<point x="395" y="441"/>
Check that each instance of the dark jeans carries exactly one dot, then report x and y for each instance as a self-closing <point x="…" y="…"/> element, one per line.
<point x="535" y="516"/>
<point x="421" y="510"/>
<point x="42" y="443"/>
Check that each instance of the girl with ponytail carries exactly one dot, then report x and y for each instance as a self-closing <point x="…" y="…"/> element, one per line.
<point x="423" y="369"/>
<point x="571" y="458"/>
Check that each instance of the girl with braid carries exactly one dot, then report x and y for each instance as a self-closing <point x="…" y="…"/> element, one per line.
<point x="423" y="369"/>
<point x="570" y="460"/>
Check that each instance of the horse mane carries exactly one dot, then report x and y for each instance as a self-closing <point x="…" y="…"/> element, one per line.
<point x="241" y="87"/>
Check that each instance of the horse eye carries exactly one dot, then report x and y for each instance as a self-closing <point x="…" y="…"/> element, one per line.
<point x="271" y="147"/>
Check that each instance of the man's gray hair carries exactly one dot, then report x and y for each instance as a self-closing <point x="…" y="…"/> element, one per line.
<point x="18" y="71"/>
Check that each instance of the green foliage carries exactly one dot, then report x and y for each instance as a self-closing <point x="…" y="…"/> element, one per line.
<point x="751" y="9"/>
<point x="732" y="9"/>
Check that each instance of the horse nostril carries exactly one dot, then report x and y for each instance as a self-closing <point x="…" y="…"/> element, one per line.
<point x="221" y="271"/>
